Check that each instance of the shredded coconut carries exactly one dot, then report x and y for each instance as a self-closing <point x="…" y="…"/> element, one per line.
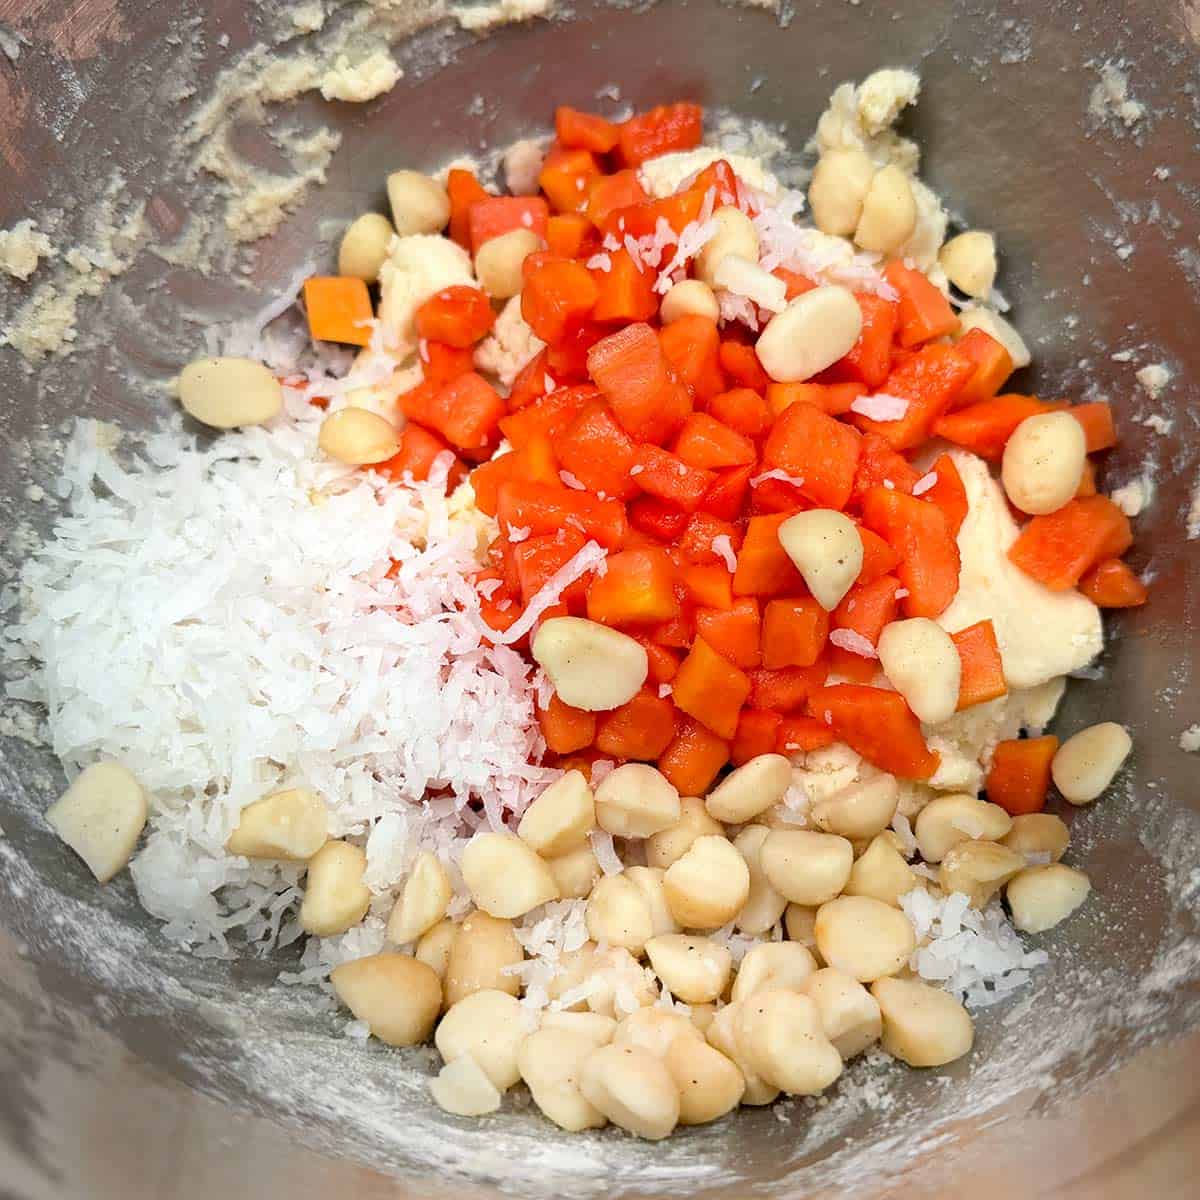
<point x="976" y="955"/>
<point x="927" y="481"/>
<point x="587" y="559"/>
<point x="777" y="473"/>
<point x="235" y="619"/>
<point x="825" y="259"/>
<point x="848" y="639"/>
<point x="1189" y="740"/>
<point x="723" y="548"/>
<point x="881" y="407"/>
<point x="605" y="852"/>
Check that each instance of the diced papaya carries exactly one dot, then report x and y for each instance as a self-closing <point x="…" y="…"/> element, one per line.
<point x="877" y="724"/>
<point x="929" y="380"/>
<point x="1099" y="429"/>
<point x="735" y="632"/>
<point x="585" y="130"/>
<point x="631" y="370"/>
<point x="727" y="494"/>
<point x="1019" y="779"/>
<point x="660" y="473"/>
<point x="694" y="758"/>
<point x="1058" y="549"/>
<point x="466" y="411"/>
<point x="1113" y="584"/>
<point x="879" y="558"/>
<point x="924" y="312"/>
<point x="705" y="443"/>
<point x="800" y="734"/>
<point x="458" y="316"/>
<point x="821" y="451"/>
<point x="794" y="633"/>
<point x="548" y="416"/>
<point x="538" y="558"/>
<point x="755" y="735"/>
<point x="657" y="518"/>
<point x="982" y="677"/>
<point x="558" y="296"/>
<point x="763" y="566"/>
<point x="566" y="178"/>
<point x="703" y="530"/>
<point x="870" y="358"/>
<point x="626" y="290"/>
<point x="740" y="362"/>
<point x="441" y="363"/>
<point x="691" y="345"/>
<point x="611" y="193"/>
<point x="465" y="191"/>
<point x="993" y="366"/>
<point x="639" y="730"/>
<point x="743" y="410"/>
<point x="490" y="217"/>
<point x="532" y="382"/>
<point x="929" y="559"/>
<point x="534" y="461"/>
<point x="708" y="585"/>
<point x="567" y="235"/>
<point x="832" y="398"/>
<point x="985" y="427"/>
<point x="638" y="588"/>
<point x="948" y="492"/>
<point x="786" y="690"/>
<point x="339" y="309"/>
<point x="599" y="453"/>
<point x="722" y="179"/>
<point x="544" y="508"/>
<point x="419" y="450"/>
<point x="879" y="465"/>
<point x="661" y="130"/>
<point x="868" y="607"/>
<point x="711" y="689"/>
<point x="564" y="728"/>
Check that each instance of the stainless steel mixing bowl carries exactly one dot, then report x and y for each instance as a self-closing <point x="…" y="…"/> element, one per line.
<point x="1088" y="1085"/>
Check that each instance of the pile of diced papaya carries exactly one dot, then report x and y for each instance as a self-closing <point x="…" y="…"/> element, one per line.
<point x="670" y="447"/>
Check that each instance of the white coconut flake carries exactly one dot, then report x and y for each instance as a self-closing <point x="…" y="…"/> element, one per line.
<point x="572" y="481"/>
<point x="816" y="255"/>
<point x="736" y="309"/>
<point x="903" y="829"/>
<point x="976" y="955"/>
<point x="230" y="620"/>
<point x="586" y="559"/>
<point x="927" y="481"/>
<point x="777" y="473"/>
<point x="605" y="852"/>
<point x="880" y="407"/>
<point x="722" y="547"/>
<point x="855" y="643"/>
<point x="692" y="239"/>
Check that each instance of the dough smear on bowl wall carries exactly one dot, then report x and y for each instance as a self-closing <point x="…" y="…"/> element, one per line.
<point x="624" y="563"/>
